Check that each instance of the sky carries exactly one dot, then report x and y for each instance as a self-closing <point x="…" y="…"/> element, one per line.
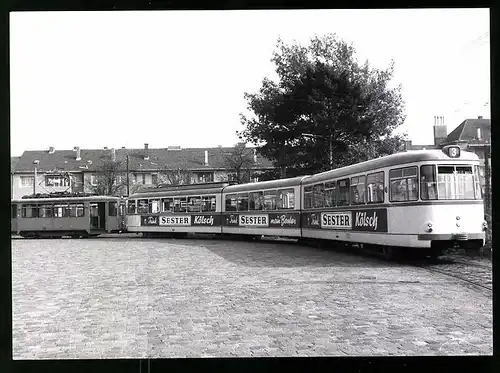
<point x="114" y="79"/>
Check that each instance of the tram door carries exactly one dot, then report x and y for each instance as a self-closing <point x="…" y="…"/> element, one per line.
<point x="98" y="215"/>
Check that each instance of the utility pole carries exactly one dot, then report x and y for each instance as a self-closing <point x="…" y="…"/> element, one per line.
<point x="128" y="184"/>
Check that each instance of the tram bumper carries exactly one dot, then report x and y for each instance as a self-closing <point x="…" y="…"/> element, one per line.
<point x="448" y="240"/>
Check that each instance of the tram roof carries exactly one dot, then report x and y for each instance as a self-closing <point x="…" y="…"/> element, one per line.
<point x="67" y="199"/>
<point x="271" y="184"/>
<point x="398" y="159"/>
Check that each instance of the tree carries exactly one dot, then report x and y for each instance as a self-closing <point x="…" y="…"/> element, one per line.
<point x="174" y="175"/>
<point x="325" y="111"/>
<point x="240" y="161"/>
<point x="111" y="177"/>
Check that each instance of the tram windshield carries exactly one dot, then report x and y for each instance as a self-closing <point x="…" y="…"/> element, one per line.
<point x="446" y="182"/>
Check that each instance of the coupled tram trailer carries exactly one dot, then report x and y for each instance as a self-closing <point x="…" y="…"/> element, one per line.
<point x="74" y="215"/>
<point x="416" y="202"/>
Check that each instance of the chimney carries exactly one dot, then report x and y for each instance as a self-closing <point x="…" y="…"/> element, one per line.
<point x="146" y="146"/>
<point x="255" y="156"/>
<point x="51" y="150"/>
<point x="123" y="147"/>
<point x="480" y="117"/>
<point x="146" y="155"/>
<point x="78" y="154"/>
<point x="479" y="133"/>
<point x="206" y="157"/>
<point x="113" y="154"/>
<point x="105" y="148"/>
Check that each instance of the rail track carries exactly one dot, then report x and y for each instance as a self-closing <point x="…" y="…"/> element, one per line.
<point x="476" y="274"/>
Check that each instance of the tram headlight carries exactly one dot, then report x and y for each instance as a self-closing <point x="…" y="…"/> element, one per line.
<point x="429" y="227"/>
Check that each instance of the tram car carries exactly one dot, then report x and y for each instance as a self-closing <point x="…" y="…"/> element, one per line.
<point x="173" y="211"/>
<point x="417" y="201"/>
<point x="55" y="216"/>
<point x="270" y="208"/>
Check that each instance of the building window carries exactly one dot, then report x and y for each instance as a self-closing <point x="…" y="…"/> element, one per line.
<point x="375" y="187"/>
<point x="93" y="179"/>
<point x="154" y="179"/>
<point x="143" y="179"/>
<point x="403" y="183"/>
<point x="27" y="181"/>
<point x="56" y="181"/>
<point x="205" y="177"/>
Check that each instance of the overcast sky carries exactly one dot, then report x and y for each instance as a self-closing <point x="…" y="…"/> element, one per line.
<point x="95" y="79"/>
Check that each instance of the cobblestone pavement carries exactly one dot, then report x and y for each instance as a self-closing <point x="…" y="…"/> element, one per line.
<point x="118" y="298"/>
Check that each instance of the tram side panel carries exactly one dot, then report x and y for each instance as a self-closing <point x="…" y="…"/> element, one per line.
<point x="269" y="219"/>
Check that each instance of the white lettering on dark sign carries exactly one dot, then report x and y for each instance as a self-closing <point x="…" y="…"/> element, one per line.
<point x="254" y="220"/>
<point x="175" y="220"/>
<point x="365" y="220"/>
<point x="336" y="220"/>
<point x="284" y="220"/>
<point x="204" y="220"/>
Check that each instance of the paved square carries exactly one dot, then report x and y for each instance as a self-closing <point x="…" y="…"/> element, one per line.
<point x="138" y="298"/>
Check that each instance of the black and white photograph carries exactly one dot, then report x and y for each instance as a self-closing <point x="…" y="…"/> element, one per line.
<point x="250" y="183"/>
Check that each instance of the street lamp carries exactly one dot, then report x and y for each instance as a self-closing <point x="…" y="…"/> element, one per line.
<point x="35" y="163"/>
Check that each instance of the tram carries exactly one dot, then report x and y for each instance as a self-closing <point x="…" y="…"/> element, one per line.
<point x="419" y="201"/>
<point x="66" y="215"/>
<point x="174" y="211"/>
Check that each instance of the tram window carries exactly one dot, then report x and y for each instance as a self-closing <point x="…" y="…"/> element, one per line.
<point x="403" y="184"/>
<point x="194" y="204"/>
<point x="308" y="197"/>
<point x="154" y="206"/>
<point x="142" y="206"/>
<point x="46" y="211"/>
<point x="112" y="209"/>
<point x="270" y="200"/>
<point x="14" y="211"/>
<point x="208" y="203"/>
<point x="180" y="204"/>
<point x="72" y="210"/>
<point x="330" y="194"/>
<point x="29" y="211"/>
<point x="319" y="195"/>
<point x="428" y="184"/>
<point x="167" y="204"/>
<point x="231" y="202"/>
<point x="358" y="190"/>
<point x="455" y="182"/>
<point x="243" y="202"/>
<point x="66" y="211"/>
<point x="343" y="192"/>
<point x="256" y="201"/>
<point x="80" y="210"/>
<point x="375" y="187"/>
<point x="477" y="183"/>
<point x="60" y="211"/>
<point x="131" y="206"/>
<point x="286" y="199"/>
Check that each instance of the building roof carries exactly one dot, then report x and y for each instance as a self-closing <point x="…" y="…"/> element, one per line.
<point x="467" y="131"/>
<point x="13" y="163"/>
<point x="92" y="159"/>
